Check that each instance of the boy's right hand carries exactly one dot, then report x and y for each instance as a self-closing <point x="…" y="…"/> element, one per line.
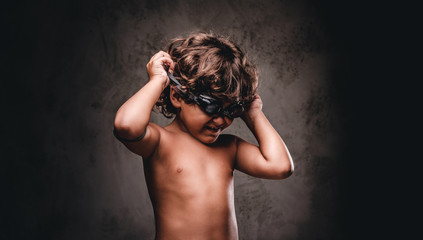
<point x="156" y="67"/>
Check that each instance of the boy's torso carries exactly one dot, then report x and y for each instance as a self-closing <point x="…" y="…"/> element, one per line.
<point x="191" y="187"/>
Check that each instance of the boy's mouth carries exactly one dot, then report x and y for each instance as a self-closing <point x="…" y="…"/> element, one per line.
<point x="213" y="129"/>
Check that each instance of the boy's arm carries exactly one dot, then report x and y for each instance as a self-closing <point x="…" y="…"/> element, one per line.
<point x="133" y="117"/>
<point x="271" y="159"/>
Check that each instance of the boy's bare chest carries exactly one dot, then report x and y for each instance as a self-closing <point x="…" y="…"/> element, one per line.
<point x="190" y="162"/>
<point x="197" y="157"/>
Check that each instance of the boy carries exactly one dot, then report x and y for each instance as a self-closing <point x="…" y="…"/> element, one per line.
<point x="189" y="164"/>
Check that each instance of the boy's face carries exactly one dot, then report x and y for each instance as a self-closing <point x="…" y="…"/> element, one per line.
<point x="206" y="128"/>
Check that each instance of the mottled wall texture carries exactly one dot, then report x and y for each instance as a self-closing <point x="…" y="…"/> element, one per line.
<point x="69" y="67"/>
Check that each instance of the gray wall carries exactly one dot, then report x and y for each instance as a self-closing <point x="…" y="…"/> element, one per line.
<point x="71" y="65"/>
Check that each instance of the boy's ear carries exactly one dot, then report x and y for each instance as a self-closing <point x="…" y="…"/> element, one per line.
<point x="175" y="98"/>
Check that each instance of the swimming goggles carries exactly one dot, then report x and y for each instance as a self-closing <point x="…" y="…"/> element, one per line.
<point x="210" y="105"/>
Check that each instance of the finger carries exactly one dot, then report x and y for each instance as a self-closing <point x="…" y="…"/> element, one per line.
<point x="172" y="67"/>
<point x="161" y="60"/>
<point x="155" y="57"/>
<point x="159" y="55"/>
<point x="165" y="54"/>
<point x="167" y="63"/>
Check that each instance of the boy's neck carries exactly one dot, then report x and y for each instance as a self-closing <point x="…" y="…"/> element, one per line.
<point x="177" y="125"/>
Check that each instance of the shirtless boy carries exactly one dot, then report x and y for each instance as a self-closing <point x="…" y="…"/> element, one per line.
<point x="204" y="81"/>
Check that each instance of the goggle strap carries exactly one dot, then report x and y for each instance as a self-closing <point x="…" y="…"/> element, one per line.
<point x="171" y="77"/>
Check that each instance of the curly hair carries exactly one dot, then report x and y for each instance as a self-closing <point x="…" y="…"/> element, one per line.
<point x="212" y="65"/>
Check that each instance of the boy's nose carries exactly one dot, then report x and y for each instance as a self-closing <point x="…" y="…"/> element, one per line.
<point x="221" y="120"/>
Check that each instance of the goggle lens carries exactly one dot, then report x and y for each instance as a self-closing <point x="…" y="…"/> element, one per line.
<point x="233" y="111"/>
<point x="212" y="106"/>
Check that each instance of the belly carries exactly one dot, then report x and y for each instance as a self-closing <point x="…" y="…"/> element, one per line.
<point x="209" y="216"/>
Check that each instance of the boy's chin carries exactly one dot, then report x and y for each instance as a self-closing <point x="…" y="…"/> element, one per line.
<point x="208" y="139"/>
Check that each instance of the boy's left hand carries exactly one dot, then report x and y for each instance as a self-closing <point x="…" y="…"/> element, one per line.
<point x="255" y="107"/>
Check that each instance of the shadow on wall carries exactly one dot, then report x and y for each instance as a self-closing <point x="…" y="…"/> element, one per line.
<point x="74" y="63"/>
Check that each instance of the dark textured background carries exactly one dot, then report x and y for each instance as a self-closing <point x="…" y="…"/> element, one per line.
<point x="68" y="67"/>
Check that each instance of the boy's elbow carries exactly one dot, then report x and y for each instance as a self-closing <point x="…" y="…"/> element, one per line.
<point x="125" y="129"/>
<point x="120" y="125"/>
<point x="284" y="170"/>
